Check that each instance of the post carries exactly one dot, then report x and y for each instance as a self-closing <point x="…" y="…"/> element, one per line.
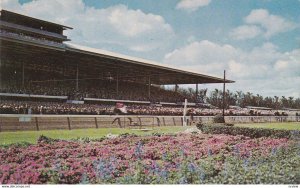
<point x="223" y="112"/>
<point x="158" y="121"/>
<point x="77" y="75"/>
<point x="184" y="113"/>
<point x="149" y="87"/>
<point x="37" y="124"/>
<point x="124" y="122"/>
<point x="0" y="81"/>
<point x="176" y="87"/>
<point x="96" y="122"/>
<point x="117" y="86"/>
<point x="140" y="121"/>
<point x="152" y="122"/>
<point x="69" y="123"/>
<point x="196" y="92"/>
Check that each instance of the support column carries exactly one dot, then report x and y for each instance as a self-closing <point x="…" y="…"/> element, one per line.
<point x="197" y="92"/>
<point x="77" y="75"/>
<point x="117" y="86"/>
<point x="149" y="87"/>
<point x="176" y="87"/>
<point x="223" y="112"/>
<point x="64" y="70"/>
<point x="23" y="74"/>
<point x="1" y="72"/>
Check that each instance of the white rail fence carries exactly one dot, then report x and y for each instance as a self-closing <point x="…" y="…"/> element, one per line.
<point x="16" y="122"/>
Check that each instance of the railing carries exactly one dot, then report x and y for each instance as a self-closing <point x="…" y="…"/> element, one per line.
<point x="33" y="96"/>
<point x="33" y="30"/>
<point x="116" y="100"/>
<point x="30" y="39"/>
<point x="17" y="122"/>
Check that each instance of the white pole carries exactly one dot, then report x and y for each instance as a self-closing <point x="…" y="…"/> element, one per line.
<point x="184" y="113"/>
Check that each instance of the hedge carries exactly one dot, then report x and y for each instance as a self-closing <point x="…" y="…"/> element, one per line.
<point x="250" y="132"/>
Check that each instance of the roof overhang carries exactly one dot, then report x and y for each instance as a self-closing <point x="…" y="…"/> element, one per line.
<point x="21" y="16"/>
<point x="169" y="70"/>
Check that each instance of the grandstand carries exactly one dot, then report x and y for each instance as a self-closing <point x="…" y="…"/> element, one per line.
<point x="46" y="82"/>
<point x="39" y="64"/>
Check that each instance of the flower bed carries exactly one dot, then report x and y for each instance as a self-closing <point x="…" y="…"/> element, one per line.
<point x="247" y="131"/>
<point x="181" y="158"/>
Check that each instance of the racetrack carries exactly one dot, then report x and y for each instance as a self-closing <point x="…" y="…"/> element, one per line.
<point x="55" y="122"/>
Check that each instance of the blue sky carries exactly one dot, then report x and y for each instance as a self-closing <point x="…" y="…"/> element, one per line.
<point x="256" y="41"/>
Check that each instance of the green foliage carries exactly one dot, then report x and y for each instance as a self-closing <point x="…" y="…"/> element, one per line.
<point x="281" y="125"/>
<point x="219" y="119"/>
<point x="125" y="135"/>
<point x="44" y="139"/>
<point x="250" y="132"/>
<point x="19" y="144"/>
<point x="280" y="168"/>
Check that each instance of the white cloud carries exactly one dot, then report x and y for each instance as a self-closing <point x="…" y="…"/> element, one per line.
<point x="289" y="64"/>
<point x="9" y="4"/>
<point x="281" y="65"/>
<point x="245" y="32"/>
<point x="192" y="5"/>
<point x="261" y="22"/>
<point x="200" y="53"/>
<point x="115" y="26"/>
<point x="262" y="70"/>
<point x="273" y="24"/>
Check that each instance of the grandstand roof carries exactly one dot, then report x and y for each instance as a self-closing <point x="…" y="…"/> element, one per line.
<point x="159" y="73"/>
<point x="20" y="18"/>
<point x="91" y="63"/>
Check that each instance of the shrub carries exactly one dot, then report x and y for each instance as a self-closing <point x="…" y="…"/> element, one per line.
<point x="229" y="124"/>
<point x="18" y="145"/>
<point x="250" y="132"/>
<point x="48" y="140"/>
<point x="125" y="135"/>
<point x="219" y="119"/>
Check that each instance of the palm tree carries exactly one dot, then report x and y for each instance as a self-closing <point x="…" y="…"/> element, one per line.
<point x="284" y="101"/>
<point x="291" y="102"/>
<point x="276" y="101"/>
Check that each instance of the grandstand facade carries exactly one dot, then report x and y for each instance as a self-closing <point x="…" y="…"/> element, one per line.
<point x="39" y="64"/>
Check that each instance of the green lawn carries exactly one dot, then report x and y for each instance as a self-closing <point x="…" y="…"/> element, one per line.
<point x="31" y="136"/>
<point x="288" y="126"/>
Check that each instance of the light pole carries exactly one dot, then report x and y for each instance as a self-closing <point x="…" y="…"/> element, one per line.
<point x="223" y="112"/>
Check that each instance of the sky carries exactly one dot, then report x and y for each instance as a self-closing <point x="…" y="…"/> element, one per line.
<point x="257" y="42"/>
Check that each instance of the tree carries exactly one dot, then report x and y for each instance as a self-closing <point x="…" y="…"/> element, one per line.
<point x="291" y="102"/>
<point x="284" y="102"/>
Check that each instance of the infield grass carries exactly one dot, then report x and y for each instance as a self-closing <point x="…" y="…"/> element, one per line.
<point x="32" y="136"/>
<point x="285" y="125"/>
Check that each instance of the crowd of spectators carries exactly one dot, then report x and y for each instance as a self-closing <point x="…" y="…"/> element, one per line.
<point x="102" y="90"/>
<point x="31" y="38"/>
<point x="30" y="107"/>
